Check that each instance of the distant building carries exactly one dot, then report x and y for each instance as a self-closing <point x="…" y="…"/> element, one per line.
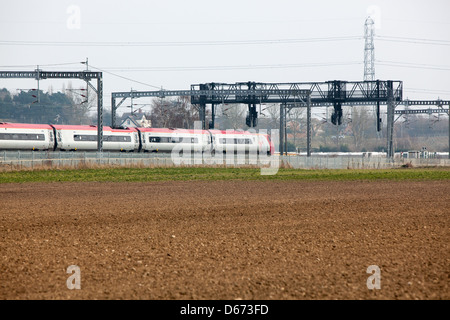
<point x="132" y="121"/>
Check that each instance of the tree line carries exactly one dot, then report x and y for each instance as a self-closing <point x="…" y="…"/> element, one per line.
<point x="33" y="106"/>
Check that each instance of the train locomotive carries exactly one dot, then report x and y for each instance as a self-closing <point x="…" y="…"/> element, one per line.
<point x="48" y="137"/>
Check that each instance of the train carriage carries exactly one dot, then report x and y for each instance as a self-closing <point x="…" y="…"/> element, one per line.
<point x="166" y="139"/>
<point x="84" y="138"/>
<point x="240" y="142"/>
<point x="24" y="136"/>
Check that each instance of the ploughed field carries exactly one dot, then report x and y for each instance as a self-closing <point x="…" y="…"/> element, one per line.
<point x="225" y="239"/>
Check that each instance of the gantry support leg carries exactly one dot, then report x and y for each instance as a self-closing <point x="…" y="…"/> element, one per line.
<point x="282" y="128"/>
<point x="390" y="121"/>
<point x="308" y="126"/>
<point x="202" y="114"/>
<point x="99" y="114"/>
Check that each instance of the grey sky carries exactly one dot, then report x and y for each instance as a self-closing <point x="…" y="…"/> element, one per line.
<point x="174" y="43"/>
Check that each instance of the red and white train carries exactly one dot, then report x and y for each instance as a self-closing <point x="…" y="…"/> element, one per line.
<point x="20" y="136"/>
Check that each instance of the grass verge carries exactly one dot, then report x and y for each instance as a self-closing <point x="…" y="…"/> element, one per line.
<point x="122" y="174"/>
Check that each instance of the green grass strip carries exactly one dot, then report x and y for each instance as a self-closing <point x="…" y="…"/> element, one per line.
<point x="216" y="174"/>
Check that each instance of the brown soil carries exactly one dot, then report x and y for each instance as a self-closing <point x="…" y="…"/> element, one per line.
<point x="225" y="240"/>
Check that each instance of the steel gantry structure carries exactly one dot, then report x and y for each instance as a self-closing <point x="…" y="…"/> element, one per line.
<point x="82" y="75"/>
<point x="250" y="93"/>
<point x="334" y="93"/>
<point x="306" y="94"/>
<point x="217" y="93"/>
<point x="440" y="110"/>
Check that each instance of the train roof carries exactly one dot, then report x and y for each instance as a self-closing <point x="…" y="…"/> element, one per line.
<point x="106" y="128"/>
<point x="90" y="128"/>
<point x="173" y="130"/>
<point x="232" y="132"/>
<point x="60" y="127"/>
<point x="24" y="125"/>
<point x="190" y="131"/>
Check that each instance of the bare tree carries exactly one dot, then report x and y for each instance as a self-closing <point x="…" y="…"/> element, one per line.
<point x="234" y="115"/>
<point x="359" y="126"/>
<point x="273" y="112"/>
<point x="176" y="113"/>
<point x="295" y="116"/>
<point x="82" y="102"/>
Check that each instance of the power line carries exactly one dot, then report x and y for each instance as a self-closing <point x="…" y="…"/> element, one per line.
<point x="191" y="22"/>
<point x="175" y="43"/>
<point x="414" y="40"/>
<point x="42" y="65"/>
<point x="413" y="65"/>
<point x="426" y="90"/>
<point x="230" y="67"/>
<point x="132" y="80"/>
<point x="218" y="43"/>
<point x="416" y="21"/>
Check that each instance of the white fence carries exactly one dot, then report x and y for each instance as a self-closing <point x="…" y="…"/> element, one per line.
<point x="26" y="159"/>
<point x="324" y="162"/>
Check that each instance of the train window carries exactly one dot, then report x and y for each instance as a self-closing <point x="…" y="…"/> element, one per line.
<point x="91" y="137"/>
<point x="22" y="136"/>
<point x="235" y="141"/>
<point x="159" y="139"/>
<point x="117" y="138"/>
<point x="85" y="137"/>
<point x="228" y="141"/>
<point x="183" y="140"/>
<point x="243" y="141"/>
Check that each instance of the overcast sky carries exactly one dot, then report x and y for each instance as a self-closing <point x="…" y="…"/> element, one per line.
<point x="146" y="45"/>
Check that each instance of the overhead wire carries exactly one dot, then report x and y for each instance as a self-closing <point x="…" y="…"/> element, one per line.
<point x="412" y="65"/>
<point x="174" y="43"/>
<point x="426" y="90"/>
<point x="125" y="78"/>
<point x="230" y="67"/>
<point x="41" y="65"/>
<point x="413" y="40"/>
